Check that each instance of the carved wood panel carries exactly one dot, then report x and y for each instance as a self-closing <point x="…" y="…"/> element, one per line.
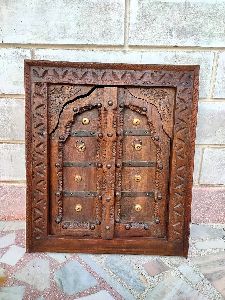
<point x="109" y="157"/>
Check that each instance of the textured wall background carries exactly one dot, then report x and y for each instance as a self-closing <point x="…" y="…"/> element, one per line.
<point x="129" y="31"/>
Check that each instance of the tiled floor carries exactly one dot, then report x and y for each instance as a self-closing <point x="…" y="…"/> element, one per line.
<point x="48" y="276"/>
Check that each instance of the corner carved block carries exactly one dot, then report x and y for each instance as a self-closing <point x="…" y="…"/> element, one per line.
<point x="109" y="153"/>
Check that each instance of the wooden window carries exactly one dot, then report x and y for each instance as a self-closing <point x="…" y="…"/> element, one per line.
<point x="109" y="157"/>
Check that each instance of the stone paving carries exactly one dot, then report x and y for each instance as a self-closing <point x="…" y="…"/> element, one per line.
<point x="52" y="276"/>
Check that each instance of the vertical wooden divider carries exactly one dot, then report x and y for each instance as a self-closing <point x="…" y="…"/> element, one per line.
<point x="109" y="134"/>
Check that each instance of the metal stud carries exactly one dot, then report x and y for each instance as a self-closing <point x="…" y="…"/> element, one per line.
<point x="78" y="178"/>
<point x="138" y="207"/>
<point x="137" y="147"/>
<point x="98" y="222"/>
<point x="85" y="121"/>
<point x="107" y="227"/>
<point x="58" y="194"/>
<point x="110" y="103"/>
<point x="62" y="137"/>
<point x="118" y="165"/>
<point x="146" y="227"/>
<point x="156" y="138"/>
<point x="92" y="227"/>
<point x="157" y="221"/>
<point x="108" y="199"/>
<point x="99" y="165"/>
<point x="57" y="165"/>
<point x="108" y="166"/>
<point x="78" y="207"/>
<point x="117" y="194"/>
<point x="137" y="178"/>
<point x="75" y="109"/>
<point x="100" y="198"/>
<point x="144" y="109"/>
<point x="100" y="135"/>
<point x="136" y="121"/>
<point x="159" y="196"/>
<point x="121" y="105"/>
<point x="127" y="227"/>
<point x="110" y="134"/>
<point x="99" y="105"/>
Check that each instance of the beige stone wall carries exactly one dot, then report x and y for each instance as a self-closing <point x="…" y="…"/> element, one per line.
<point x="131" y="31"/>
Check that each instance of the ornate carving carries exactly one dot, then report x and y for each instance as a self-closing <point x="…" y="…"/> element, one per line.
<point x="39" y="161"/>
<point x="61" y="95"/>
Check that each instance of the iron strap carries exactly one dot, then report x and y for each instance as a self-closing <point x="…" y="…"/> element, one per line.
<point x="137" y="194"/>
<point x="84" y="133"/>
<point x="83" y="164"/>
<point x="80" y="194"/>
<point x="139" y="163"/>
<point x="137" y="132"/>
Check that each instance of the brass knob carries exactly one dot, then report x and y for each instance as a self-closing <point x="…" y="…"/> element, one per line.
<point x="136" y="121"/>
<point x="78" y="207"/>
<point x="78" y="178"/>
<point x="85" y="121"/>
<point x="81" y="146"/>
<point x="137" y="147"/>
<point x="138" y="207"/>
<point x="137" y="178"/>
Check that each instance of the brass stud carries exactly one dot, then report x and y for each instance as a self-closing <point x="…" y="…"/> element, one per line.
<point x="159" y="196"/>
<point x="108" y="199"/>
<point x="99" y="105"/>
<point x="157" y="221"/>
<point x="137" y="147"/>
<point x="80" y="146"/>
<point x="127" y="227"/>
<point x="138" y="207"/>
<point x="110" y="103"/>
<point x="117" y="194"/>
<point x="100" y="198"/>
<point x="156" y="138"/>
<point x="57" y="165"/>
<point x="110" y="134"/>
<point x="99" y="165"/>
<point x="136" y="121"/>
<point x="118" y="165"/>
<point x="58" y="194"/>
<point x="100" y="135"/>
<point x="92" y="227"/>
<point x="78" y="207"/>
<point x="144" y="109"/>
<point x="107" y="227"/>
<point x="137" y="178"/>
<point x="85" y="121"/>
<point x="78" y="178"/>
<point x="108" y="166"/>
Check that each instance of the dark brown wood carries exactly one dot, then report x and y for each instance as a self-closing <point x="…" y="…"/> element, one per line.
<point x="109" y="151"/>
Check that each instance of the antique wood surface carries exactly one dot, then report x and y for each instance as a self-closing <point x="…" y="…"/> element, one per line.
<point x="109" y="154"/>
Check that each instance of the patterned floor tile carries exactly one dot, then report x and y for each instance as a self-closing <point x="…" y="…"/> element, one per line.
<point x="155" y="267"/>
<point x="72" y="278"/>
<point x="7" y="240"/>
<point x="213" y="268"/>
<point x="173" y="288"/>
<point x="36" y="273"/>
<point x="211" y="244"/>
<point x="102" y="295"/>
<point x="203" y="231"/>
<point x="190" y="274"/>
<point x="125" y="272"/>
<point x="12" y="293"/>
<point x="60" y="257"/>
<point x="13" y="255"/>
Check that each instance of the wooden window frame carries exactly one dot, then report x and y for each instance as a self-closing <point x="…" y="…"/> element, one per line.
<point x="185" y="79"/>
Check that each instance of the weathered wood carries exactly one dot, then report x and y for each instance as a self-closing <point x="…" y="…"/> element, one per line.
<point x="112" y="149"/>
